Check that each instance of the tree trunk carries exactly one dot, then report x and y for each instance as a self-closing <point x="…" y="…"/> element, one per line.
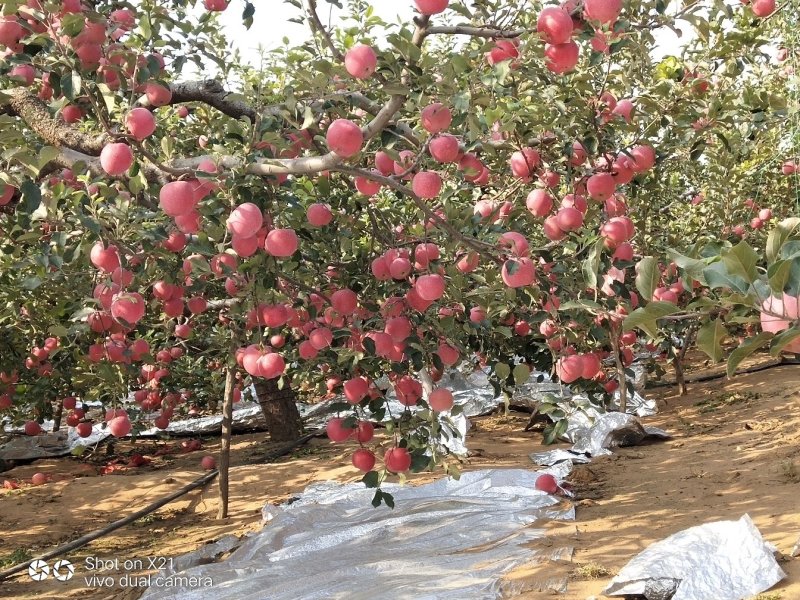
<point x="680" y="374"/>
<point x="280" y="409"/>
<point x="57" y="414"/>
<point x="621" y="378"/>
<point x="225" y="450"/>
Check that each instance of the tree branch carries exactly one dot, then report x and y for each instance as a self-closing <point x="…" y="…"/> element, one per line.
<point x="484" y="32"/>
<point x="317" y="27"/>
<point x="211" y="92"/>
<point x="52" y="130"/>
<point x="477" y="245"/>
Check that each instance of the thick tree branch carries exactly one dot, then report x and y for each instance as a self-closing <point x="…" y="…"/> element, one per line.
<point x="484" y="32"/>
<point x="52" y="130"/>
<point x="211" y="92"/>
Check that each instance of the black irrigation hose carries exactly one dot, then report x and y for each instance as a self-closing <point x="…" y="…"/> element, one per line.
<point x="89" y="537"/>
<point x="202" y="481"/>
<point x="712" y="377"/>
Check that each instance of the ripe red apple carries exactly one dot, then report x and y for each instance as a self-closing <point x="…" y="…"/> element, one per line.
<point x="119" y="426"/>
<point x="336" y="430"/>
<point x="518" y="272"/>
<point x="368" y="187"/>
<point x="319" y="215"/>
<point x="448" y="354"/>
<point x="128" y="307"/>
<point x="364" y="432"/>
<point x="441" y="400"/>
<point x="644" y="158"/>
<point x="569" y="368"/>
<point x="360" y="61"/>
<point x="245" y="220"/>
<point x="604" y="11"/>
<point x="116" y="158"/>
<point x="436" y="117"/>
<point x="356" y="389"/>
<point x="32" y="428"/>
<point x="177" y="198"/>
<point x="39" y="479"/>
<point x="554" y="24"/>
<point x="344" y="301"/>
<point x="363" y="459"/>
<point x="397" y="460"/>
<point x="71" y="113"/>
<point x="763" y="8"/>
<point x="430" y="287"/>
<point x="444" y="148"/>
<point x="601" y="186"/>
<point x="84" y="429"/>
<point x="524" y="162"/>
<point x="561" y="58"/>
<point x="431" y="7"/>
<point x="281" y="243"/>
<point x="24" y="74"/>
<point x="208" y="463"/>
<point x="427" y="184"/>
<point x="105" y="259"/>
<point x="546" y="483"/>
<point x="539" y="203"/>
<point x="344" y="138"/>
<point x="624" y="109"/>
<point x="408" y="390"/>
<point x="569" y="219"/>
<point x="141" y="123"/>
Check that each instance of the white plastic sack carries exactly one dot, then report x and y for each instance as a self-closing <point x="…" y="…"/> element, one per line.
<point x="726" y="560"/>
<point x="447" y="539"/>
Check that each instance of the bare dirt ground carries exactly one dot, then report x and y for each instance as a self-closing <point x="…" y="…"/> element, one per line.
<point x="736" y="450"/>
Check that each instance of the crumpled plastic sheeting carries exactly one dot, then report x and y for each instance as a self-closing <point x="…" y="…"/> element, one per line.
<point x="612" y="430"/>
<point x="202" y="556"/>
<point x="725" y="560"/>
<point x="608" y="430"/>
<point x="50" y="444"/>
<point x="444" y="540"/>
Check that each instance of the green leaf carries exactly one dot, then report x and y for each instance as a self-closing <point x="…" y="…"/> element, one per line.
<point x="308" y="118"/>
<point x="693" y="267"/>
<point x="31" y="283"/>
<point x="741" y="261"/>
<point x="717" y="276"/>
<point x="709" y="339"/>
<point x="71" y="85"/>
<point x="522" y="374"/>
<point x="746" y="349"/>
<point x="502" y="370"/>
<point x="778" y="275"/>
<point x="647" y="277"/>
<point x="31" y="197"/>
<point x="145" y="27"/>
<point x="371" y="479"/>
<point x="592" y="264"/>
<point x="46" y="154"/>
<point x="646" y="318"/>
<point x="778" y="236"/>
<point x="109" y="97"/>
<point x="779" y="342"/>
<point x="697" y="150"/>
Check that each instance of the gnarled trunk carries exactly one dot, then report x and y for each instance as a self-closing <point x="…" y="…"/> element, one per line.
<point x="280" y="409"/>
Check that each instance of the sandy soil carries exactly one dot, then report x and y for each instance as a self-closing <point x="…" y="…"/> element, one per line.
<point x="736" y="450"/>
